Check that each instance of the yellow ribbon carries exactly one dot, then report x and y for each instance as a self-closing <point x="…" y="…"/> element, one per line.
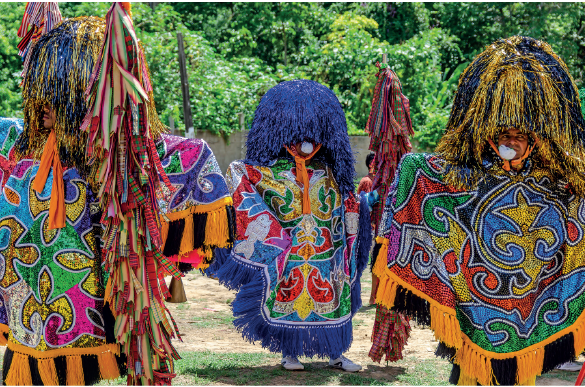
<point x="302" y="175"/>
<point x="51" y="159"/>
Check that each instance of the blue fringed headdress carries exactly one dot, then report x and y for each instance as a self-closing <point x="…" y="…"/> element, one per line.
<point x="302" y="110"/>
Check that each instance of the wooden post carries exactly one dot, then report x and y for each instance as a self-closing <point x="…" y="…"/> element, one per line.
<point x="174" y="131"/>
<point x="384" y="58"/>
<point x="242" y="121"/>
<point x="188" y="119"/>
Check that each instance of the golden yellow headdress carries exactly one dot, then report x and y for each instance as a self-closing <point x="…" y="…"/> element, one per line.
<point x="516" y="82"/>
<point x="60" y="67"/>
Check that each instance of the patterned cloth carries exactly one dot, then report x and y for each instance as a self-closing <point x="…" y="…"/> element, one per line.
<point x="52" y="283"/>
<point x="198" y="213"/>
<point x="389" y="126"/>
<point x="52" y="280"/>
<point x="297" y="275"/>
<point x="500" y="266"/>
<point x="391" y="330"/>
<point x="192" y="168"/>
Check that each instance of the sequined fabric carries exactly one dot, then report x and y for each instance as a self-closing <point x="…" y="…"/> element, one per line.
<point x="191" y="168"/>
<point x="308" y="259"/>
<point x="51" y="279"/>
<point x="506" y="257"/>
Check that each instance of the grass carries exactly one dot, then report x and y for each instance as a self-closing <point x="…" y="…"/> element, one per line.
<point x="199" y="368"/>
<point x="424" y="372"/>
<point x="212" y="320"/>
<point x="564" y="375"/>
<point x="205" y="368"/>
<point x="357" y="322"/>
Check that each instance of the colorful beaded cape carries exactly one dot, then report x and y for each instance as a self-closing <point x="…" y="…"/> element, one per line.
<point x="198" y="215"/>
<point x="52" y="280"/>
<point x="297" y="275"/>
<point x="497" y="271"/>
<point x="52" y="285"/>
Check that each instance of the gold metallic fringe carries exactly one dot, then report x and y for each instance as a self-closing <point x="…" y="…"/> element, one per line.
<point x="512" y="101"/>
<point x="34" y="91"/>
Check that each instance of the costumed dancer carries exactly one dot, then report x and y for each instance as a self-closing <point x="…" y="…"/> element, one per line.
<point x="59" y="330"/>
<point x="122" y="127"/>
<point x="389" y="126"/>
<point x="302" y="237"/>
<point x="484" y="240"/>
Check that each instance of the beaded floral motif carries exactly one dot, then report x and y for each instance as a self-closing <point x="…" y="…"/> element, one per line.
<point x="506" y="256"/>
<point x="51" y="280"/>
<point x="191" y="168"/>
<point x="308" y="257"/>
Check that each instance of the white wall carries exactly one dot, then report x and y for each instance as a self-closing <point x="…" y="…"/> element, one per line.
<point x="226" y="153"/>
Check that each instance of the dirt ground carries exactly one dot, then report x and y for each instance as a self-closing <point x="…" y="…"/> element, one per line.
<point x="204" y="322"/>
<point x="207" y="299"/>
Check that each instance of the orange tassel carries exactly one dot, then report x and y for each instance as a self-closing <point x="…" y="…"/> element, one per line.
<point x="48" y="372"/>
<point x="75" y="375"/>
<point x="19" y="372"/>
<point x="164" y="233"/>
<point x="188" y="240"/>
<point x="108" y="366"/>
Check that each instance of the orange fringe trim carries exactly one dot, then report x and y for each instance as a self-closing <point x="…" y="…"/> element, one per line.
<point x="472" y="359"/>
<point x="75" y="375"/>
<point x="20" y="374"/>
<point x="216" y="230"/>
<point x="4" y="330"/>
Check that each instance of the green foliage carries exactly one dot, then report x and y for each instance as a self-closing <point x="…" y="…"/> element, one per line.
<point x="236" y="51"/>
<point x="10" y="62"/>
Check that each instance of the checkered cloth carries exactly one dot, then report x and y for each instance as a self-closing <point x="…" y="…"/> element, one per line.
<point x="391" y="330"/>
<point x="389" y="126"/>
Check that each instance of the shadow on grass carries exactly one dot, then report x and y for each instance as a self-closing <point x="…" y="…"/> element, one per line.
<point x="368" y="308"/>
<point x="247" y="369"/>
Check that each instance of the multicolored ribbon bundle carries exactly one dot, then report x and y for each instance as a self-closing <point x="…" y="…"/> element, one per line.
<point x="121" y="142"/>
<point x="389" y="126"/>
<point x="41" y="17"/>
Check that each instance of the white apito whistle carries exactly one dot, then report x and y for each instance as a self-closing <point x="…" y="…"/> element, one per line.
<point x="506" y="153"/>
<point x="306" y="147"/>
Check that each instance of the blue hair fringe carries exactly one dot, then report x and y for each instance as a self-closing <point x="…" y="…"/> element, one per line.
<point x="302" y="110"/>
<point x="251" y="283"/>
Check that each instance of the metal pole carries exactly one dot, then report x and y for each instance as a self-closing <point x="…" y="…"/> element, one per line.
<point x="189" y="131"/>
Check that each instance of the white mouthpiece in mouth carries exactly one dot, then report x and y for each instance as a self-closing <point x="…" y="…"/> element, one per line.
<point x="306" y="147"/>
<point x="506" y="153"/>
